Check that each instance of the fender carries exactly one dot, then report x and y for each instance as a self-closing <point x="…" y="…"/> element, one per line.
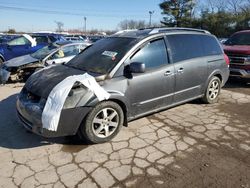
<point x="1" y="57"/>
<point x="115" y="96"/>
<point x="215" y="72"/>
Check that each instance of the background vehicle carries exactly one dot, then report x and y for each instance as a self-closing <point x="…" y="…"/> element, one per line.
<point x="237" y="47"/>
<point x="21" y="45"/>
<point x="144" y="71"/>
<point x="20" y="68"/>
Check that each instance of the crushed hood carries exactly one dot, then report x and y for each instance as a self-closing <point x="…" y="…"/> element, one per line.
<point x="20" y="61"/>
<point x="42" y="82"/>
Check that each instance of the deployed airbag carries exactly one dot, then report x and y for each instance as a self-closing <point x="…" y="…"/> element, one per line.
<point x="56" y="99"/>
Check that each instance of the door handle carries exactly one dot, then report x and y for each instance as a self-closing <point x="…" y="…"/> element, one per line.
<point x="167" y="73"/>
<point x="181" y="70"/>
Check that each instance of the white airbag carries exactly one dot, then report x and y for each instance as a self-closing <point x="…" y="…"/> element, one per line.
<point x="56" y="99"/>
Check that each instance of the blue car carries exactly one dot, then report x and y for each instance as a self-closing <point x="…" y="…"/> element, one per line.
<point x="26" y="44"/>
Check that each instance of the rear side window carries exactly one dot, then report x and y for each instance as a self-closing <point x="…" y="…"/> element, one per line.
<point x="188" y="46"/>
<point x="185" y="46"/>
<point x="210" y="45"/>
<point x="41" y="39"/>
<point x="153" y="54"/>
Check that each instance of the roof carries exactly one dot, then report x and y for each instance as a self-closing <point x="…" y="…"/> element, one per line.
<point x="141" y="33"/>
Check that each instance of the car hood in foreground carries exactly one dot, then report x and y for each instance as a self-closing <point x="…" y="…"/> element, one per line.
<point x="241" y="49"/>
<point x="20" y="61"/>
<point x="42" y="82"/>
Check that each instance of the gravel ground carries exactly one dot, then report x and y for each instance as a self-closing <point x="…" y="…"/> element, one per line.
<point x="192" y="145"/>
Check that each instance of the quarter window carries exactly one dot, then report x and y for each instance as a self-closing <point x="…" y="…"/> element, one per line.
<point x="211" y="46"/>
<point x="153" y="55"/>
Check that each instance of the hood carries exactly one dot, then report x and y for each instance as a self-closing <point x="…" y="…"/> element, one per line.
<point x="42" y="82"/>
<point x="20" y="61"/>
<point x="238" y="49"/>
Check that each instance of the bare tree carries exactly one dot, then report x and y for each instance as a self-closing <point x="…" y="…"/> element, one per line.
<point x="234" y="5"/>
<point x="59" y="26"/>
<point x="131" y="24"/>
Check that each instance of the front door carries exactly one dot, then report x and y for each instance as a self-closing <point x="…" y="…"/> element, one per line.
<point x="153" y="89"/>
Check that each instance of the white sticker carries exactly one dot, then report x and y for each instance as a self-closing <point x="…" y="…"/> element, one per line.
<point x="109" y="53"/>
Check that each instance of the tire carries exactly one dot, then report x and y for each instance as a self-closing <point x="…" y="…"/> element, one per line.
<point x="102" y="123"/>
<point x="212" y="92"/>
<point x="1" y="61"/>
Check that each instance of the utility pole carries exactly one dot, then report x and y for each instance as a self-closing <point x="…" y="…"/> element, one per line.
<point x="150" y="17"/>
<point x="85" y="27"/>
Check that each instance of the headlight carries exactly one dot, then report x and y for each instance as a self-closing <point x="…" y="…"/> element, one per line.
<point x="78" y="97"/>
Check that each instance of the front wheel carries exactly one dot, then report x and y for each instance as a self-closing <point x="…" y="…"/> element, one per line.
<point x="213" y="90"/>
<point x="102" y="123"/>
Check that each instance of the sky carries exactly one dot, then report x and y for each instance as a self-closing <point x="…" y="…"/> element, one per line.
<point x="40" y="15"/>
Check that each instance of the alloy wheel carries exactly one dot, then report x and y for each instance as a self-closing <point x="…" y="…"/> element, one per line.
<point x="105" y="122"/>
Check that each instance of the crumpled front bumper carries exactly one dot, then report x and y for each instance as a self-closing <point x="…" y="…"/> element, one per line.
<point x="30" y="116"/>
<point x="4" y="76"/>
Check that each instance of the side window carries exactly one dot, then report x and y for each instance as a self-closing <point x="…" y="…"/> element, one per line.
<point x="41" y="39"/>
<point x="66" y="52"/>
<point x="185" y="46"/>
<point x="153" y="55"/>
<point x="211" y="46"/>
<point x="19" y="41"/>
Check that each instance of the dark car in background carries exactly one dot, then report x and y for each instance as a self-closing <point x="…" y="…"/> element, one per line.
<point x="144" y="71"/>
<point x="20" y="68"/>
<point x="237" y="47"/>
<point x="22" y="45"/>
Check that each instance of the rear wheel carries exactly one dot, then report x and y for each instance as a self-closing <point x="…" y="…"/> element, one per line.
<point x="213" y="90"/>
<point x="103" y="123"/>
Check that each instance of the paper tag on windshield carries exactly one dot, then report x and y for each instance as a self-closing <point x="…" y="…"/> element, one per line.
<point x="109" y="54"/>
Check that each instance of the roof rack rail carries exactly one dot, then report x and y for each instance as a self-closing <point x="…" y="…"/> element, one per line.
<point x="167" y="29"/>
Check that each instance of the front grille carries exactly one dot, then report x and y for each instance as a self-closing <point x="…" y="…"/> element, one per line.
<point x="238" y="59"/>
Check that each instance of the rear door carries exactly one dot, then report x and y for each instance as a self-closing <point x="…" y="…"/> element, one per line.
<point x="190" y="65"/>
<point x="153" y="89"/>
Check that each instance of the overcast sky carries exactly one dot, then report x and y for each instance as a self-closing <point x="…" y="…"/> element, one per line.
<point x="35" y="15"/>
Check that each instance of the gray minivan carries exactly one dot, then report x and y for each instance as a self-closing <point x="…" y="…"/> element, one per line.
<point x="144" y="71"/>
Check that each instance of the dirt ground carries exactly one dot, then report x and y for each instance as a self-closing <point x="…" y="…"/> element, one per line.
<point x="192" y="145"/>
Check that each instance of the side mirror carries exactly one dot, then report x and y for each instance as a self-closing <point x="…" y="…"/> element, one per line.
<point x="137" y="67"/>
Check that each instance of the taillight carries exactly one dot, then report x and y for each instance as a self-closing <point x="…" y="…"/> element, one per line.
<point x="227" y="59"/>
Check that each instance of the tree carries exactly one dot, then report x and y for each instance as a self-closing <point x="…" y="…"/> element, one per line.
<point x="11" y="31"/>
<point x="131" y="24"/>
<point x="177" y="12"/>
<point x="59" y="26"/>
<point x="235" y="5"/>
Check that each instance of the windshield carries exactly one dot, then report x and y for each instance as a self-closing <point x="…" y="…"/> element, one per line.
<point x="43" y="52"/>
<point x="103" y="55"/>
<point x="239" y="39"/>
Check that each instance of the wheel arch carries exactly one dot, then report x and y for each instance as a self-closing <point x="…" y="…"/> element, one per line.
<point x="2" y="58"/>
<point x="216" y="73"/>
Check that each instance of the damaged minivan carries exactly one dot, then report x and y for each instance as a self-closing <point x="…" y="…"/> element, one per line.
<point x="20" y="68"/>
<point x="143" y="71"/>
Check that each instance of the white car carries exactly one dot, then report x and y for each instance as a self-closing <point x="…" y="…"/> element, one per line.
<point x="20" y="68"/>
